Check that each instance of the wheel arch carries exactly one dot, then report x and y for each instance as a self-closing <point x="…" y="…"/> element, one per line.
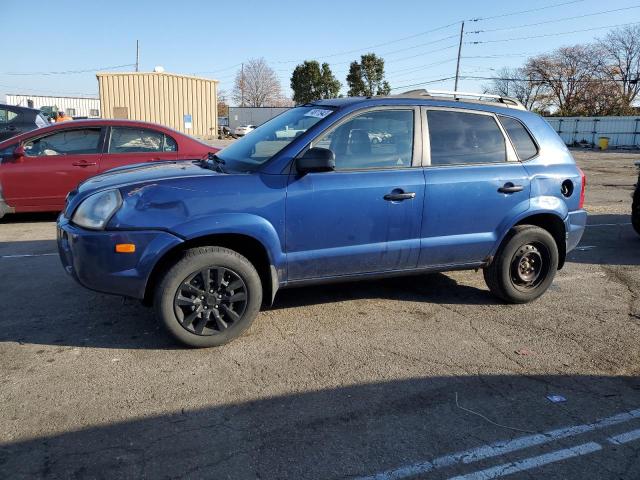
<point x="250" y="247"/>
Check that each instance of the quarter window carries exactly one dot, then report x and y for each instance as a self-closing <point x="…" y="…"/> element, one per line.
<point x="464" y="138"/>
<point x="67" y="142"/>
<point x="135" y="140"/>
<point x="522" y="141"/>
<point x="376" y="139"/>
<point x="7" y="115"/>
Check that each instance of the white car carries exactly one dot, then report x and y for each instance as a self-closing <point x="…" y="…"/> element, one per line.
<point x="242" y="130"/>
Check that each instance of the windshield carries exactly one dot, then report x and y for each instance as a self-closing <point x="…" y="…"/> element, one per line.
<point x="258" y="146"/>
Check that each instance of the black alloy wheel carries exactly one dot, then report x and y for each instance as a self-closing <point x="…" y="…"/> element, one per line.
<point x="211" y="300"/>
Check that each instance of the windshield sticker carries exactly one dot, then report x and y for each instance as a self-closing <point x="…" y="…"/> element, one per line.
<point x="318" y="113"/>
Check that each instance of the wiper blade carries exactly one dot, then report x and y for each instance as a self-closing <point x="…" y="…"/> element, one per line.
<point x="213" y="162"/>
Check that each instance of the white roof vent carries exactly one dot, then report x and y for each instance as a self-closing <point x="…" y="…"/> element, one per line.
<point x="159" y="69"/>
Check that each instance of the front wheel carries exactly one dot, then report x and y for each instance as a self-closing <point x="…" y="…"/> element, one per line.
<point x="524" y="266"/>
<point x="209" y="297"/>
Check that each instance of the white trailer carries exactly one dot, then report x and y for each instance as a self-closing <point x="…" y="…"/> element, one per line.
<point x="73" y="106"/>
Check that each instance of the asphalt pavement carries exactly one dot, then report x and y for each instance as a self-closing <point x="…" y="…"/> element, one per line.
<point x="419" y="377"/>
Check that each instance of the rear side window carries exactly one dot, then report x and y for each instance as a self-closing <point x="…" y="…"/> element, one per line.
<point x="459" y="138"/>
<point x="135" y="140"/>
<point x="522" y="141"/>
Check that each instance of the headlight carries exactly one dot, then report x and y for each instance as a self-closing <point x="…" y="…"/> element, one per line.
<point x="95" y="211"/>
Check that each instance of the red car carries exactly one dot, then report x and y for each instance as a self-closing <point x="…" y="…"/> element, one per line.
<point x="39" y="168"/>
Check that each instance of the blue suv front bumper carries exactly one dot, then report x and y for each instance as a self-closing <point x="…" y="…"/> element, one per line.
<point x="90" y="257"/>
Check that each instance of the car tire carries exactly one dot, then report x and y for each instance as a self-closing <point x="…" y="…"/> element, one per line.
<point x="524" y="266"/>
<point x="635" y="209"/>
<point x="211" y="317"/>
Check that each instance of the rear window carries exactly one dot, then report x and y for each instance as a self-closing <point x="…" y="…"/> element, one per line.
<point x="522" y="141"/>
<point x="459" y="138"/>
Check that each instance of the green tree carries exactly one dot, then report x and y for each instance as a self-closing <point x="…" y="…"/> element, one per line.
<point x="310" y="82"/>
<point x="367" y="77"/>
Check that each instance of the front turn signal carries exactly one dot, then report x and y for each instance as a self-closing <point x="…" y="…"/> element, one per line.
<point x="125" y="248"/>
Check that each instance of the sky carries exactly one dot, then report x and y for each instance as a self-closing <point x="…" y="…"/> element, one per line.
<point x="417" y="39"/>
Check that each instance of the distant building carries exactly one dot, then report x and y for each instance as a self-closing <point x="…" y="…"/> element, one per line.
<point x="73" y="106"/>
<point x="252" y="115"/>
<point x="185" y="103"/>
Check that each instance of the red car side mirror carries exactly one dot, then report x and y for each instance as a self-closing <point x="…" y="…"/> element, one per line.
<point x="18" y="154"/>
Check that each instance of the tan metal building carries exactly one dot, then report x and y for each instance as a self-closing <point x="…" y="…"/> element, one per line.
<point x="183" y="102"/>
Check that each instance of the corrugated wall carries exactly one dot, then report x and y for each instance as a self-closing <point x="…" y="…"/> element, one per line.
<point x="76" y="106"/>
<point x="162" y="98"/>
<point x="622" y="131"/>
<point x="252" y="115"/>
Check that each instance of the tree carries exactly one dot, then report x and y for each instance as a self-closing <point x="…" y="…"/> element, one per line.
<point x="567" y="74"/>
<point x="513" y="82"/>
<point x="311" y="82"/>
<point x="223" y="105"/>
<point x="620" y="63"/>
<point x="256" y="85"/>
<point x="367" y="77"/>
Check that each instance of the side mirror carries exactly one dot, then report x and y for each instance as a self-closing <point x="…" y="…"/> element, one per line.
<point x="316" y="160"/>
<point x="18" y="154"/>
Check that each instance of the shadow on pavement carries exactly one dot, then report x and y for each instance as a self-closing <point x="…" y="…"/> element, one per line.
<point x="608" y="240"/>
<point x="347" y="432"/>
<point x="29" y="217"/>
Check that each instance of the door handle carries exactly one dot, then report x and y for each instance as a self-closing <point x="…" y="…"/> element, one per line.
<point x="510" y="188"/>
<point x="399" y="196"/>
<point x="83" y="164"/>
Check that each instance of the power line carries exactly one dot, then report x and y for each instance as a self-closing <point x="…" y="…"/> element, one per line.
<point x="543" y="80"/>
<point x="51" y="92"/>
<point x="537" y="9"/>
<point x="67" y="72"/>
<point x="551" y="34"/>
<point x="556" y="20"/>
<point x="427" y="82"/>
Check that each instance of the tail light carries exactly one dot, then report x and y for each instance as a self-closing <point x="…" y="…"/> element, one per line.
<point x="583" y="182"/>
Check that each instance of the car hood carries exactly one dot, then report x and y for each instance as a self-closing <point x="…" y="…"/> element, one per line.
<point x="142" y="173"/>
<point x="137" y="174"/>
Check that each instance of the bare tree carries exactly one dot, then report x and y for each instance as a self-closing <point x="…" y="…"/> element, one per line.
<point x="256" y="85"/>
<point x="514" y="82"/>
<point x="620" y="62"/>
<point x="567" y="73"/>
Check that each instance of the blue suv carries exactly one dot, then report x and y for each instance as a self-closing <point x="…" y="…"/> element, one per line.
<point x="336" y="190"/>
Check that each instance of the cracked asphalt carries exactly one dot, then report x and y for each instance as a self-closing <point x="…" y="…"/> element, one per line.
<point x="420" y="377"/>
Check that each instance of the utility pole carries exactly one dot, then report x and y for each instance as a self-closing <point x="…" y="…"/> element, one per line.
<point x="137" y="54"/>
<point x="455" y="88"/>
<point x="242" y="85"/>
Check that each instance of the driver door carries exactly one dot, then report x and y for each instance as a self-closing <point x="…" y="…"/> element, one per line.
<point x="349" y="221"/>
<point x="53" y="165"/>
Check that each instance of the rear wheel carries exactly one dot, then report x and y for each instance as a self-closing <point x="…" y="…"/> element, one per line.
<point x="524" y="266"/>
<point x="209" y="297"/>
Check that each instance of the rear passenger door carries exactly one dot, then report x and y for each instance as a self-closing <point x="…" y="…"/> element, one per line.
<point x="129" y="145"/>
<point x="475" y="184"/>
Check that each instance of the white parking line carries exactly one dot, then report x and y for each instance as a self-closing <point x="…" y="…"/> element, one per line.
<point x="606" y="224"/>
<point x="498" y="448"/>
<point x="625" y="437"/>
<point x="26" y="255"/>
<point x="529" y="463"/>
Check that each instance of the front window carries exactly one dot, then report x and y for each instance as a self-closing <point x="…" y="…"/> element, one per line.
<point x="375" y="139"/>
<point x="68" y="142"/>
<point x="257" y="147"/>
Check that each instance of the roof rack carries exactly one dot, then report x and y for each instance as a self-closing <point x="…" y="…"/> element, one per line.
<point x="465" y="96"/>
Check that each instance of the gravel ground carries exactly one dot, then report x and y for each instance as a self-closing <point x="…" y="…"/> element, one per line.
<point x="430" y="376"/>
